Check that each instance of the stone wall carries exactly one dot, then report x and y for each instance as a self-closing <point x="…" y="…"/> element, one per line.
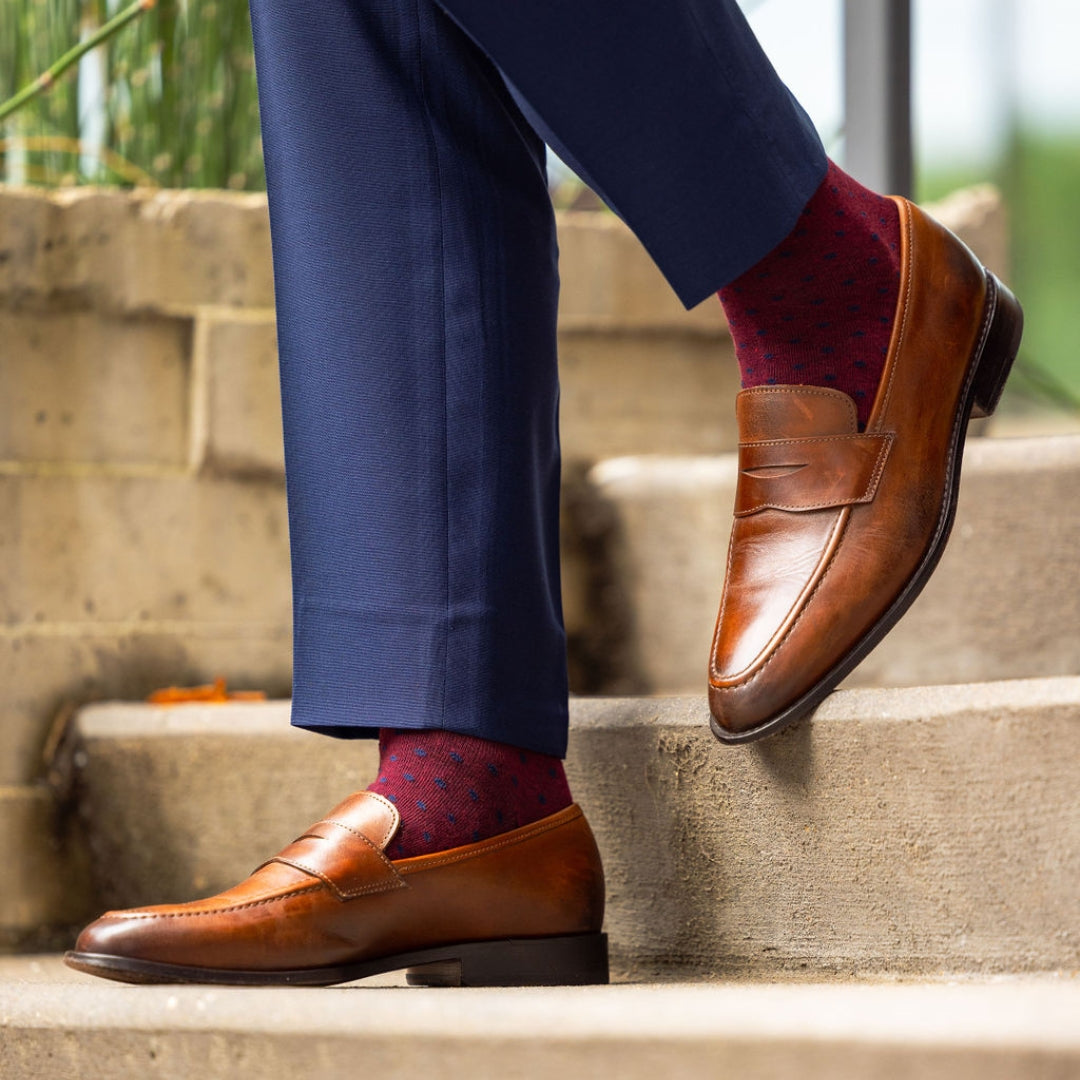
<point x="142" y="521"/>
<point x="143" y="536"/>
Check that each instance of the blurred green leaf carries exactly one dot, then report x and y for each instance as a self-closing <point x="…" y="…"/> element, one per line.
<point x="175" y="93"/>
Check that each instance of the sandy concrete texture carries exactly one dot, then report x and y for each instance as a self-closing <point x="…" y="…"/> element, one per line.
<point x="920" y="830"/>
<point x="141" y="548"/>
<point x="236" y="396"/>
<point x="183" y="801"/>
<point x="645" y="392"/>
<point x="45" y="881"/>
<point x="917" y="830"/>
<point x="83" y="386"/>
<point x="56" y="1025"/>
<point x="43" y="675"/>
<point x="1003" y="603"/>
<point x="118" y="250"/>
<point x="117" y="582"/>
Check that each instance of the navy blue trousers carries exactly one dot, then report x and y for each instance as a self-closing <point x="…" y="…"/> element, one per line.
<point x="416" y="280"/>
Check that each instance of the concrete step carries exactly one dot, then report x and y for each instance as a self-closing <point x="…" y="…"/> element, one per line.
<point x="57" y="1025"/>
<point x="1002" y="604"/>
<point x="921" y="830"/>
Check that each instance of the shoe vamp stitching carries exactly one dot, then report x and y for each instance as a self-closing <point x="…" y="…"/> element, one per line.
<point x="891" y="365"/>
<point x="539" y="830"/>
<point x="349" y="894"/>
<point x="269" y="898"/>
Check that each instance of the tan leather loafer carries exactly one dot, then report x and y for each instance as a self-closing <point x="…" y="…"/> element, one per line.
<point x="836" y="531"/>
<point x="523" y="908"/>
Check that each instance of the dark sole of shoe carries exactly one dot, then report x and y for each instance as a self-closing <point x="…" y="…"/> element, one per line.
<point x="576" y="960"/>
<point x="999" y="342"/>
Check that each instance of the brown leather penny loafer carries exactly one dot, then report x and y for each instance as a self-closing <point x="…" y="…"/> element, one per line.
<point x="521" y="909"/>
<point x="836" y="531"/>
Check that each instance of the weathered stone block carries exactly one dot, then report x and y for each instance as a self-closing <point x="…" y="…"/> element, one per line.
<point x="161" y="248"/>
<point x="647" y="392"/>
<point x="90" y="387"/>
<point x="45" y="882"/>
<point x="237" y="411"/>
<point x="134" y="250"/>
<point x="609" y="282"/>
<point x="46" y="668"/>
<point x="978" y="216"/>
<point x="117" y="584"/>
<point x="102" y="548"/>
<point x="147" y="768"/>
<point x="918" y="830"/>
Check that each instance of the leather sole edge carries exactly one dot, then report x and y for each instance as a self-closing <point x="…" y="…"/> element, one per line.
<point x="569" y="960"/>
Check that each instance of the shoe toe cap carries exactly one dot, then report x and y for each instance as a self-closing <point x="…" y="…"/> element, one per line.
<point x="115" y="934"/>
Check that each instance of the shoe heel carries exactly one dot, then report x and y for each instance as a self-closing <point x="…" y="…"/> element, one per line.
<point x="580" y="960"/>
<point x="999" y="349"/>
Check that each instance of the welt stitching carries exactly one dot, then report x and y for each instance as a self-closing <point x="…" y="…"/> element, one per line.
<point x="807" y="391"/>
<point x="219" y="910"/>
<point x="393" y="816"/>
<point x="352" y="894"/>
<point x="851" y="501"/>
<point x="377" y="850"/>
<point x="377" y="886"/>
<point x="812" y="439"/>
<point x="340" y="825"/>
<point x="307" y="870"/>
<point x="909" y="235"/>
<point x="370" y="843"/>
<point x="867" y="492"/>
<point x="538" y="830"/>
<point x="883" y="455"/>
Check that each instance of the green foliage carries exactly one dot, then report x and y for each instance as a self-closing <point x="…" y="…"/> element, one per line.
<point x="1043" y="188"/>
<point x="32" y="35"/>
<point x="1040" y="179"/>
<point x="177" y="94"/>
<point x="178" y="99"/>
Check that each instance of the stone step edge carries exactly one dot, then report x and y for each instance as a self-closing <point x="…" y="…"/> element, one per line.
<point x="1001" y="1012"/>
<point x="898" y="705"/>
<point x="889" y="834"/>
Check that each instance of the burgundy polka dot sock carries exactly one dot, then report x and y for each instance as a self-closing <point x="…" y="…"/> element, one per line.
<point x="818" y="309"/>
<point x="455" y="789"/>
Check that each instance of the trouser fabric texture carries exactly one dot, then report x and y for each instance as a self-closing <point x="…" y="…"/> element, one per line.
<point x="416" y="282"/>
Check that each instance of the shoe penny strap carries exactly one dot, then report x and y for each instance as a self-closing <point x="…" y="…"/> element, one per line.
<point x="346" y="860"/>
<point x="811" y="473"/>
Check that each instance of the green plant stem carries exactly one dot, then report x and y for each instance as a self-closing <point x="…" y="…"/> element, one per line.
<point x="72" y="56"/>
